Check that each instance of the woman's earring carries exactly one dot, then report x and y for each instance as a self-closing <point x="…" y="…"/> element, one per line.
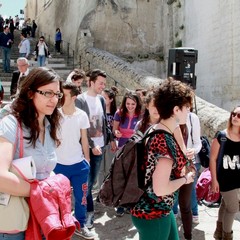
<point x="177" y="120"/>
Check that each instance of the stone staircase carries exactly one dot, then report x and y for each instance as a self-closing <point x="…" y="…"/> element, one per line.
<point x="60" y="63"/>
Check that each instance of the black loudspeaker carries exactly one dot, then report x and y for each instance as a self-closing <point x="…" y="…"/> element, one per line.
<point x="21" y="11"/>
<point x="181" y="65"/>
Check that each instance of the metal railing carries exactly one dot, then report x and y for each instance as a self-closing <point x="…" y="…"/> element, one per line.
<point x="65" y="48"/>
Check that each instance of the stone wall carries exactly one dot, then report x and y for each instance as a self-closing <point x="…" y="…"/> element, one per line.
<point x="213" y="27"/>
<point x="143" y="31"/>
<point x="135" y="30"/>
<point x="212" y="118"/>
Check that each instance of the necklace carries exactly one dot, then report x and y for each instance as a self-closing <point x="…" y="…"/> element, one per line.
<point x="167" y="128"/>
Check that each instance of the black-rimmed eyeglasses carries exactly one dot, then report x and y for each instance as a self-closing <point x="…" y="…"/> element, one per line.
<point x="50" y="94"/>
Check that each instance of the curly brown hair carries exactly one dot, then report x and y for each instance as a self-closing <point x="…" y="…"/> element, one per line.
<point x="24" y="109"/>
<point x="172" y="93"/>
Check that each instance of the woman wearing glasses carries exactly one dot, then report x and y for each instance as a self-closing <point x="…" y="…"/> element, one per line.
<point x="42" y="52"/>
<point x="226" y="179"/>
<point x="35" y="110"/>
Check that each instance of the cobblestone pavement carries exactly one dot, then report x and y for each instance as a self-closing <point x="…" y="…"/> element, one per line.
<point x="109" y="227"/>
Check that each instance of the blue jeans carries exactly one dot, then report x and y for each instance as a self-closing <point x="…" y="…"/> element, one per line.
<point x="16" y="236"/>
<point x="95" y="164"/>
<point x="194" y="195"/>
<point x="6" y="58"/>
<point x="78" y="176"/>
<point x="22" y="54"/>
<point x="41" y="60"/>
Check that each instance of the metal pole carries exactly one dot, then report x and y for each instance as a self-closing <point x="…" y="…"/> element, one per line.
<point x="68" y="53"/>
<point x="73" y="59"/>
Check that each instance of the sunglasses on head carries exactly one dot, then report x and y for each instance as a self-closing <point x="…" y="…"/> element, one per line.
<point x="234" y="114"/>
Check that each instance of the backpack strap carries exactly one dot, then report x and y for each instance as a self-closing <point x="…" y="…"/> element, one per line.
<point x="151" y="131"/>
<point x="191" y="133"/>
<point x="223" y="140"/>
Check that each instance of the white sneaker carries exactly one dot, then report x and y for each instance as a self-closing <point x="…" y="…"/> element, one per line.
<point x="89" y="221"/>
<point x="195" y="219"/>
<point x="85" y="233"/>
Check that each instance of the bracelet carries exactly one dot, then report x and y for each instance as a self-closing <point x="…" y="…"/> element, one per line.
<point x="185" y="179"/>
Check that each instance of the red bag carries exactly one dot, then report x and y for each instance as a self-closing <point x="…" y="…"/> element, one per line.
<point x="203" y="187"/>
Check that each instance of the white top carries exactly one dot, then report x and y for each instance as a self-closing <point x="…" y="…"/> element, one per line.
<point x="41" y="51"/>
<point x="24" y="46"/>
<point x="96" y="119"/>
<point x="194" y="131"/>
<point x="25" y="74"/>
<point x="70" y="150"/>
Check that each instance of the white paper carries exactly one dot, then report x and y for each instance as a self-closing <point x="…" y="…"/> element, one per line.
<point x="4" y="199"/>
<point x="26" y="166"/>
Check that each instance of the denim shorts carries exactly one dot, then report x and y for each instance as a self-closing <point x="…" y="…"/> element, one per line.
<point x="16" y="236"/>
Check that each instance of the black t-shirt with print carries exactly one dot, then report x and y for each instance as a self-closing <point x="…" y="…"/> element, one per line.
<point x="229" y="168"/>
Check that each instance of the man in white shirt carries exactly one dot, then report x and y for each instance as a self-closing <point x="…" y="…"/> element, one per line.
<point x="24" y="46"/>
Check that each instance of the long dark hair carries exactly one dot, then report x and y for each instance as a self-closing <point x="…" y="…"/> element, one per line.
<point x="144" y="123"/>
<point x="184" y="131"/>
<point x="24" y="109"/>
<point x="111" y="93"/>
<point x="123" y="110"/>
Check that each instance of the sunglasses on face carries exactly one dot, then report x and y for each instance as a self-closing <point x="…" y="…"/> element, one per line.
<point x="234" y="114"/>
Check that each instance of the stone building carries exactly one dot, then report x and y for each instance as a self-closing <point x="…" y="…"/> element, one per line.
<point x="130" y="40"/>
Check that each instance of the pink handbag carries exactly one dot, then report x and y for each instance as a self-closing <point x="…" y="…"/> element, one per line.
<point x="203" y="187"/>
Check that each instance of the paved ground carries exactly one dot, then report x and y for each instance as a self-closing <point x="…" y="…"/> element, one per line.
<point x="110" y="227"/>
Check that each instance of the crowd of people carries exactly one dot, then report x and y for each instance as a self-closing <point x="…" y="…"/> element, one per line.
<point x="76" y="133"/>
<point x="7" y="39"/>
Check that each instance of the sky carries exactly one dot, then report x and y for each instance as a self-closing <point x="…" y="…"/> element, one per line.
<point x="11" y="7"/>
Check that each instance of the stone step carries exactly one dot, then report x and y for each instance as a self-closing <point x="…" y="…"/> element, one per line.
<point x="63" y="71"/>
<point x="59" y="62"/>
<point x="12" y="62"/>
<point x="56" y="60"/>
<point x="56" y="65"/>
<point x="6" y="79"/>
<point x="6" y="87"/>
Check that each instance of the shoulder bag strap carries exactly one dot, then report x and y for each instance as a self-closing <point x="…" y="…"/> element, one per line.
<point x="223" y="141"/>
<point x="19" y="136"/>
<point x="191" y="133"/>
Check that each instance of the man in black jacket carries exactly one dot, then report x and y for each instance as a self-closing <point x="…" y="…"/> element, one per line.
<point x="6" y="41"/>
<point x="23" y="70"/>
